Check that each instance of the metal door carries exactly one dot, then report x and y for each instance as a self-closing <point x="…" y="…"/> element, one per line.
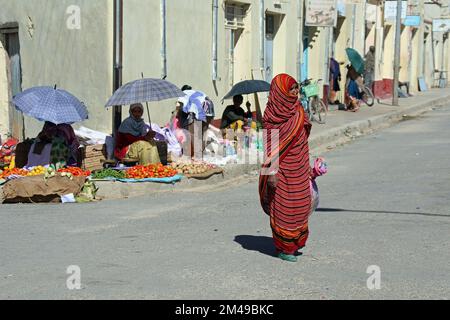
<point x="16" y="117"/>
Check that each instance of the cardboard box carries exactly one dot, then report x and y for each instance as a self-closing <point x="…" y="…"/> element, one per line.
<point x="93" y="156"/>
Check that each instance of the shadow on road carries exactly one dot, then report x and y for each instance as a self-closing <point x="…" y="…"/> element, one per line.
<point x="261" y="244"/>
<point x="329" y="210"/>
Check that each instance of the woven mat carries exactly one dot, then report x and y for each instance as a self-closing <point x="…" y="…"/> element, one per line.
<point x="206" y="175"/>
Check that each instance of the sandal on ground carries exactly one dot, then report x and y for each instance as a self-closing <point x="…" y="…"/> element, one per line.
<point x="287" y="257"/>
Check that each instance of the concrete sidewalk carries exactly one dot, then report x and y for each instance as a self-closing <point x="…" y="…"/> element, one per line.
<point x="340" y="128"/>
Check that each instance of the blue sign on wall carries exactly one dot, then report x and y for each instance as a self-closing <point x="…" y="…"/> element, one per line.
<point x="412" y="21"/>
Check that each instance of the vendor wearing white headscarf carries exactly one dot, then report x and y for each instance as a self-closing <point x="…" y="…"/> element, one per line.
<point x="132" y="140"/>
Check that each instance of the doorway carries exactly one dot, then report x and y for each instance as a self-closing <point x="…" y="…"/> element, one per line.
<point x="273" y="23"/>
<point x="11" y="42"/>
<point x="238" y="41"/>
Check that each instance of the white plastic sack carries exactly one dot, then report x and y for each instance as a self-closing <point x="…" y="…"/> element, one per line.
<point x="90" y="136"/>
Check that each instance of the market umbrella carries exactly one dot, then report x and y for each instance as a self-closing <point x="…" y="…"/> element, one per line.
<point x="247" y="87"/>
<point x="355" y="59"/>
<point x="194" y="101"/>
<point x="51" y="104"/>
<point x="144" y="90"/>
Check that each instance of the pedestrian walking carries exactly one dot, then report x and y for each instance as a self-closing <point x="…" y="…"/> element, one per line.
<point x="369" y="67"/>
<point x="285" y="194"/>
<point x="335" y="78"/>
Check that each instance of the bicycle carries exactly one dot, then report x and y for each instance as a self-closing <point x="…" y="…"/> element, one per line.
<point x="313" y="105"/>
<point x="367" y="95"/>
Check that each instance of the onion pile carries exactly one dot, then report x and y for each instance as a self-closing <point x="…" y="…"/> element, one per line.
<point x="192" y="167"/>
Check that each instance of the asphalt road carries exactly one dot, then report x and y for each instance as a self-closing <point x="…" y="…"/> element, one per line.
<point x="385" y="203"/>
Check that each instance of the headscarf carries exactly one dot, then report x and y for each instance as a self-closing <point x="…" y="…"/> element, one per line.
<point x="282" y="106"/>
<point x="284" y="113"/>
<point x="62" y="130"/>
<point x="132" y="125"/>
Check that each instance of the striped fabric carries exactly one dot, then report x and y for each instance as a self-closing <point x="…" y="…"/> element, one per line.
<point x="144" y="90"/>
<point x="288" y="204"/>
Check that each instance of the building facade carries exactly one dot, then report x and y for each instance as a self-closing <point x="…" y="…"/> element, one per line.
<point x="54" y="50"/>
<point x="207" y="44"/>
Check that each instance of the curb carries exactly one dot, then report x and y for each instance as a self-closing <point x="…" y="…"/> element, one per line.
<point x="238" y="173"/>
<point x="118" y="190"/>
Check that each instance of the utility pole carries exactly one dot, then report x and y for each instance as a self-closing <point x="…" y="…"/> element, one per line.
<point x="353" y="25"/>
<point x="163" y="28"/>
<point x="363" y="31"/>
<point x="327" y="55"/>
<point x="262" y="35"/>
<point x="398" y="22"/>
<point x="118" y="57"/>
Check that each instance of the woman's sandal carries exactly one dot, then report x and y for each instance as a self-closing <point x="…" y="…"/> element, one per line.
<point x="287" y="257"/>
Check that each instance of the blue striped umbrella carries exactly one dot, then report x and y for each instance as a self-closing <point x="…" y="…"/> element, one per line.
<point x="144" y="90"/>
<point x="51" y="104"/>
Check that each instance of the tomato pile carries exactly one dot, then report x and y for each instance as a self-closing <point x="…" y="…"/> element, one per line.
<point x="13" y="172"/>
<point x="150" y="171"/>
<point x="75" y="171"/>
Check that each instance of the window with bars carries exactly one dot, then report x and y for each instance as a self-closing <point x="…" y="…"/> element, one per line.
<point x="234" y="15"/>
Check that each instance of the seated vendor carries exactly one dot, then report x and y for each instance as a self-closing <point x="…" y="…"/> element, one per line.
<point x="55" y="144"/>
<point x="132" y="140"/>
<point x="234" y="117"/>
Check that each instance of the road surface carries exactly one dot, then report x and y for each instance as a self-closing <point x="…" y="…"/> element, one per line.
<point x="384" y="211"/>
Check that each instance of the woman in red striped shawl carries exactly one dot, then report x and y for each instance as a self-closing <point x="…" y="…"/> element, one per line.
<point x="285" y="190"/>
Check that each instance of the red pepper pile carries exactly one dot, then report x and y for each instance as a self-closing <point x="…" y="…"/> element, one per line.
<point x="150" y="171"/>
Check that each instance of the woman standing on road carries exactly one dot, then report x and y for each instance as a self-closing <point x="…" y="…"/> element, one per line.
<point x="285" y="193"/>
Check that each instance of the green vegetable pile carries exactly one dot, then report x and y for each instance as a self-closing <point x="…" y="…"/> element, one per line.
<point x="109" y="173"/>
